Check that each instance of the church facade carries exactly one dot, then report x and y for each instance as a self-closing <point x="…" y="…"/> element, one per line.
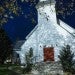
<point x="48" y="37"/>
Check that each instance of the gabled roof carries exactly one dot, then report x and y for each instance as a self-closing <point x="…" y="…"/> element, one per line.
<point x="18" y="44"/>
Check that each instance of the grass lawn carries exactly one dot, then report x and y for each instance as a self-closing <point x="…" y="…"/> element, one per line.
<point x="5" y="72"/>
<point x="8" y="72"/>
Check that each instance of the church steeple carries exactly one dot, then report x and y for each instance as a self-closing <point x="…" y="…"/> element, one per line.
<point x="45" y="2"/>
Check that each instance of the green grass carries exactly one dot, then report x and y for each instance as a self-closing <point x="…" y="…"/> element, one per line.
<point x="4" y="69"/>
<point x="4" y="72"/>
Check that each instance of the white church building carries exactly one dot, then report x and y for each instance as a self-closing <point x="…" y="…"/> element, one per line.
<point x="47" y="34"/>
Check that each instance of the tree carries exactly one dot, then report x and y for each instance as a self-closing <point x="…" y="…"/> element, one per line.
<point x="29" y="56"/>
<point x="8" y="8"/>
<point x="28" y="61"/>
<point x="66" y="7"/>
<point x="66" y="58"/>
<point x="11" y="8"/>
<point x="5" y="46"/>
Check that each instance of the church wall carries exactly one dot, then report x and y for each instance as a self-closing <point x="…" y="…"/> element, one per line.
<point x="48" y="34"/>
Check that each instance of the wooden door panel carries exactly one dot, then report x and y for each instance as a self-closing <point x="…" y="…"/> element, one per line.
<point x="49" y="54"/>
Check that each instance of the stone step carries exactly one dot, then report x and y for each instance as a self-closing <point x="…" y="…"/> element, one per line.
<point x="44" y="68"/>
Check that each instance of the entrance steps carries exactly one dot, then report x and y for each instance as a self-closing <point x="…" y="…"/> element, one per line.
<point x="48" y="68"/>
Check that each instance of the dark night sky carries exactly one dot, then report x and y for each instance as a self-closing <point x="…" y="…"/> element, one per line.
<point x="20" y="26"/>
<point x="68" y="9"/>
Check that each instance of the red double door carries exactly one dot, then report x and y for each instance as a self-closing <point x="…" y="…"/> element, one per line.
<point x="49" y="54"/>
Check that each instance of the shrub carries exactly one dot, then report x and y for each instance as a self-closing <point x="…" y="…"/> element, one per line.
<point x="66" y="58"/>
<point x="28" y="60"/>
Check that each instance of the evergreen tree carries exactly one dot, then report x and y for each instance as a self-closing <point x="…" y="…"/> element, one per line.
<point x="28" y="60"/>
<point x="29" y="56"/>
<point x="5" y="46"/>
<point x="66" y="59"/>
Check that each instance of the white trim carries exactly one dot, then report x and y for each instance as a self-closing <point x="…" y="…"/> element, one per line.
<point x="67" y="27"/>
